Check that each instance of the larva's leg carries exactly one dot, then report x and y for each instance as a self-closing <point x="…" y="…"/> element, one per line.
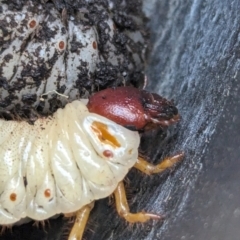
<point x="149" y="168"/>
<point x="5" y="228"/>
<point x="80" y="222"/>
<point x="123" y="208"/>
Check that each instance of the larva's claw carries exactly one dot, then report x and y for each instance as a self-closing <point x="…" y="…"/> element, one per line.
<point x="123" y="208"/>
<point x="154" y="216"/>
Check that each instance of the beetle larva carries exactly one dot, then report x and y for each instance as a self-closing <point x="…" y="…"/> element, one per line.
<point x="74" y="49"/>
<point x="61" y="163"/>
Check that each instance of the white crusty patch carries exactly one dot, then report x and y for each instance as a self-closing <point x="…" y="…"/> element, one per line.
<point x="41" y="51"/>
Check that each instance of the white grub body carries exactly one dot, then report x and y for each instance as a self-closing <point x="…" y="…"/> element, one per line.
<point x="61" y="163"/>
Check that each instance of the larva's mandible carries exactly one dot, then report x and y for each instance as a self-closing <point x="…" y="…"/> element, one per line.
<point x="61" y="163"/>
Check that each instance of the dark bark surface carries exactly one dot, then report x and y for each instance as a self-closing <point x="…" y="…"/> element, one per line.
<point x="195" y="61"/>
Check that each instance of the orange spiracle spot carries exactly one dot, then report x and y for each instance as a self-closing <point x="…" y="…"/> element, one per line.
<point x="94" y="44"/>
<point x="61" y="45"/>
<point x="108" y="153"/>
<point x="32" y="23"/>
<point x="47" y="193"/>
<point x="13" y="197"/>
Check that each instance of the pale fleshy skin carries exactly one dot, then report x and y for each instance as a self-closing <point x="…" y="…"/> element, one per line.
<point x="61" y="163"/>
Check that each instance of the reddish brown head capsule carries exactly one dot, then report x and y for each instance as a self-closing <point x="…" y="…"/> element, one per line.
<point x="134" y="108"/>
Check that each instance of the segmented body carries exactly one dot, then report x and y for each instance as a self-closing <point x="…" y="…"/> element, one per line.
<point x="61" y="163"/>
<point x="74" y="51"/>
